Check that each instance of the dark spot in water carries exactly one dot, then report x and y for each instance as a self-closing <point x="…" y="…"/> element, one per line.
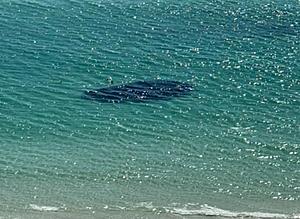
<point x="140" y="91"/>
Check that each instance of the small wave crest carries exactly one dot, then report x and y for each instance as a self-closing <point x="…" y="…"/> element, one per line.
<point x="44" y="208"/>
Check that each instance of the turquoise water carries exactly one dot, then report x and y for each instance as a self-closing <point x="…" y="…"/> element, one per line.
<point x="230" y="149"/>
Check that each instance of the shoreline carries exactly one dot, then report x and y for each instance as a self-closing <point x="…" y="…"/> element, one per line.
<point x="144" y="210"/>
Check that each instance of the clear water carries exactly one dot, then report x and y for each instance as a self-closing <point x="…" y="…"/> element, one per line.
<point x="232" y="146"/>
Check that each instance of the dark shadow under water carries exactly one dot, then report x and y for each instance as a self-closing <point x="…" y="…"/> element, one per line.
<point x="140" y="91"/>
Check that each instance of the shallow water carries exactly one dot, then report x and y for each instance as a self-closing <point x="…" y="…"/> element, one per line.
<point x="232" y="145"/>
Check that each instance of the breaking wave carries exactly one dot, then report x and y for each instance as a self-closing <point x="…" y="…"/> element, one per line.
<point x="203" y="210"/>
<point x="206" y="210"/>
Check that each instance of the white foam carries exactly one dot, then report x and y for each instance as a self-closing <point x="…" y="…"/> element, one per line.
<point x="206" y="210"/>
<point x="43" y="208"/>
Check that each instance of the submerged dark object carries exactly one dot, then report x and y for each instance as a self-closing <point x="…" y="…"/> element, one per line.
<point x="140" y="91"/>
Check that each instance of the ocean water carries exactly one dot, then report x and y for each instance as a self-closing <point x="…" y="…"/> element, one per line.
<point x="230" y="149"/>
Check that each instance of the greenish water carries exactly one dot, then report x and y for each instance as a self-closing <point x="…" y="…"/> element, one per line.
<point x="230" y="149"/>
